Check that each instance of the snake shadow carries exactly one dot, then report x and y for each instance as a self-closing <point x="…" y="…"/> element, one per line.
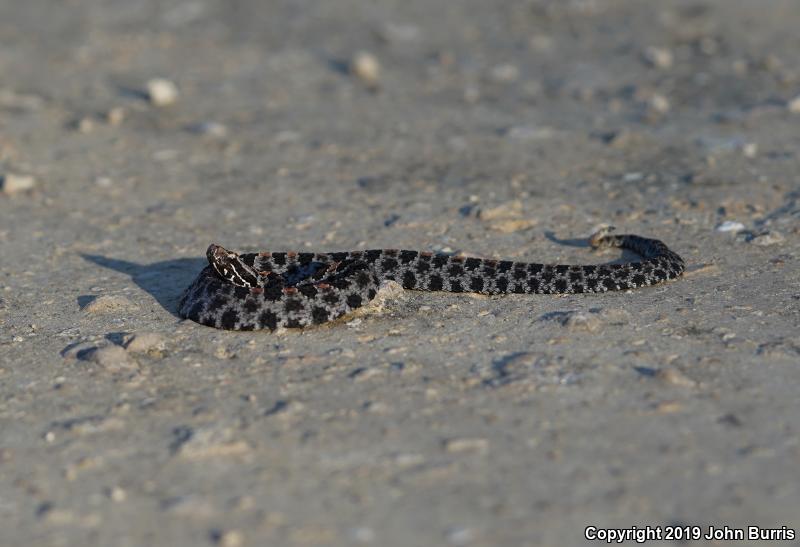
<point x="164" y="281"/>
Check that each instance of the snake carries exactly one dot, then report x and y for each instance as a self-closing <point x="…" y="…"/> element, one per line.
<point x="270" y="290"/>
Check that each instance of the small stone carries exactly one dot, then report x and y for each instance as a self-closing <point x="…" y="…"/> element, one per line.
<point x="668" y="407"/>
<point x="513" y="225"/>
<point x="529" y="133"/>
<point x="617" y="316"/>
<point x="582" y="322"/>
<point x="632" y="177"/>
<point x="115" y="116"/>
<point x="109" y="303"/>
<point x="161" y="92"/>
<point x="85" y="125"/>
<point x="366" y="67"/>
<point x="459" y="536"/>
<point x="212" y="442"/>
<point x="794" y="105"/>
<point x="467" y="444"/>
<point x="230" y="538"/>
<point x="146" y="342"/>
<point x="749" y="150"/>
<point x="210" y="129"/>
<point x="740" y="67"/>
<point x="658" y="104"/>
<point x="362" y="534"/>
<point x="112" y="358"/>
<point x="730" y="226"/>
<point x="509" y="209"/>
<point x="674" y="377"/>
<point x="117" y="494"/>
<point x="505" y="73"/>
<point x="769" y="238"/>
<point x="658" y="57"/>
<point x="11" y="183"/>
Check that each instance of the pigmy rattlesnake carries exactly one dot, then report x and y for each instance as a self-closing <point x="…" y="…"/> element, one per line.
<point x="287" y="289"/>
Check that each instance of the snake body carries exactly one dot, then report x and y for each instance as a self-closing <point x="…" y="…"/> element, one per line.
<point x="288" y="289"/>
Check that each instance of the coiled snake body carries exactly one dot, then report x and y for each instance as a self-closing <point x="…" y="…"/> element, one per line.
<point x="286" y="289"/>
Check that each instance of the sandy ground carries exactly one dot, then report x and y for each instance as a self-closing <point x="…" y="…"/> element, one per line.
<point x="494" y="129"/>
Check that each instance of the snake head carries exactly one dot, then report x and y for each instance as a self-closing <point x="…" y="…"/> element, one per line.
<point x="230" y="267"/>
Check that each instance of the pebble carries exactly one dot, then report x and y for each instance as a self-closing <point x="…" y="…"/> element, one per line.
<point x="582" y="322"/>
<point x="658" y="104"/>
<point x="11" y="183"/>
<point x="513" y="225"/>
<point x="749" y="150"/>
<point x="730" y="226"/>
<point x="366" y="67"/>
<point x="794" y="105"/>
<point x="505" y="73"/>
<point x="459" y="535"/>
<point x="210" y="129"/>
<point x="229" y="538"/>
<point x="161" y="92"/>
<point x="769" y="238"/>
<point x="362" y="534"/>
<point x="618" y="316"/>
<point x="85" y="125"/>
<point x="674" y="377"/>
<point x="212" y="442"/>
<point x="112" y="358"/>
<point x="115" y="116"/>
<point x="505" y="210"/>
<point x="530" y="133"/>
<point x="117" y="494"/>
<point x="658" y="57"/>
<point x="146" y="342"/>
<point x="467" y="444"/>
<point x="109" y="303"/>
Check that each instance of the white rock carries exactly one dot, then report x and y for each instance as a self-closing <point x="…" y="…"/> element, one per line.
<point x="366" y="67"/>
<point x="146" y="342"/>
<point x="658" y="104"/>
<point x="730" y="226"/>
<point x="112" y="358"/>
<point x="794" y="105"/>
<point x="11" y="183"/>
<point x="467" y="444"/>
<point x="231" y="538"/>
<point x="658" y="57"/>
<point x="162" y="92"/>
<point x="115" y="116"/>
<point x="750" y="150"/>
<point x="582" y="322"/>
